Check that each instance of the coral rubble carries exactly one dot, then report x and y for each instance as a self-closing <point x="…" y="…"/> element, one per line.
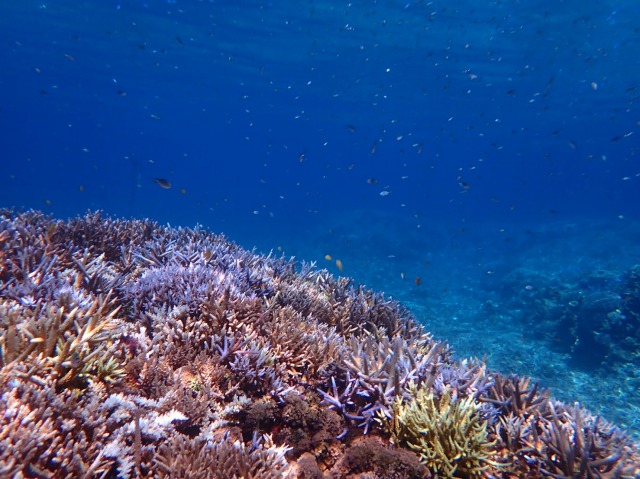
<point x="132" y="350"/>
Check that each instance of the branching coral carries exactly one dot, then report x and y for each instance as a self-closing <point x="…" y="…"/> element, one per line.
<point x="577" y="445"/>
<point x="50" y="433"/>
<point x="67" y="346"/>
<point x="559" y="441"/>
<point x="221" y="459"/>
<point x="376" y="369"/>
<point x="449" y="435"/>
<point x="131" y="350"/>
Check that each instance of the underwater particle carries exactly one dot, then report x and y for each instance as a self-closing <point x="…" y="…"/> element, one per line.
<point x="385" y="193"/>
<point x="163" y="183"/>
<point x="183" y="191"/>
<point x="280" y="249"/>
<point x="37" y="70"/>
<point x="402" y="275"/>
<point x="418" y="281"/>
<point x="374" y="147"/>
<point x="351" y="128"/>
<point x="122" y="93"/>
<point x="47" y="202"/>
<point x="81" y="188"/>
<point x="154" y="116"/>
<point x="372" y="181"/>
<point x="328" y="257"/>
<point x="69" y="57"/>
<point x="339" y="265"/>
<point x="594" y="85"/>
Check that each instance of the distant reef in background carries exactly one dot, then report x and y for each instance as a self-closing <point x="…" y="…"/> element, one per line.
<point x="130" y="350"/>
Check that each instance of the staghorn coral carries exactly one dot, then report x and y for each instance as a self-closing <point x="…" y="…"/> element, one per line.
<point x="128" y="349"/>
<point x="448" y="433"/>
<point x="50" y="433"/>
<point x="376" y="369"/>
<point x="61" y="344"/>
<point x="221" y="459"/>
<point x="554" y="439"/>
<point x="577" y="445"/>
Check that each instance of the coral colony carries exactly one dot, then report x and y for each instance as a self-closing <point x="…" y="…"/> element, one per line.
<point x="132" y="350"/>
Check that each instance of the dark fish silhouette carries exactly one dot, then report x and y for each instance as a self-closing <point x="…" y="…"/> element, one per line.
<point x="162" y="183"/>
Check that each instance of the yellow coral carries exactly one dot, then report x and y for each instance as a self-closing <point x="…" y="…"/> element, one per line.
<point x="449" y="435"/>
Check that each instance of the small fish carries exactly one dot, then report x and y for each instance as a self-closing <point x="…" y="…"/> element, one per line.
<point x="418" y="281"/>
<point x="328" y="257"/>
<point x="374" y="147"/>
<point x="183" y="191"/>
<point x="351" y="128"/>
<point x="339" y="265"/>
<point x="162" y="183"/>
<point x="372" y="181"/>
<point x="463" y="184"/>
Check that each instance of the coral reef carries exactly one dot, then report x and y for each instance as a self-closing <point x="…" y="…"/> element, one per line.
<point x="132" y="350"/>
<point x="593" y="317"/>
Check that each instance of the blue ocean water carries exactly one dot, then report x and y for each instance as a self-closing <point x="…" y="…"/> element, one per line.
<point x="476" y="160"/>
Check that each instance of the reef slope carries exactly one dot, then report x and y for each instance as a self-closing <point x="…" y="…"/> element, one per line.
<point x="129" y="349"/>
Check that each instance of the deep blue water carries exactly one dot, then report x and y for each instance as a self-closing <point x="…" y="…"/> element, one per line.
<point x="477" y="145"/>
